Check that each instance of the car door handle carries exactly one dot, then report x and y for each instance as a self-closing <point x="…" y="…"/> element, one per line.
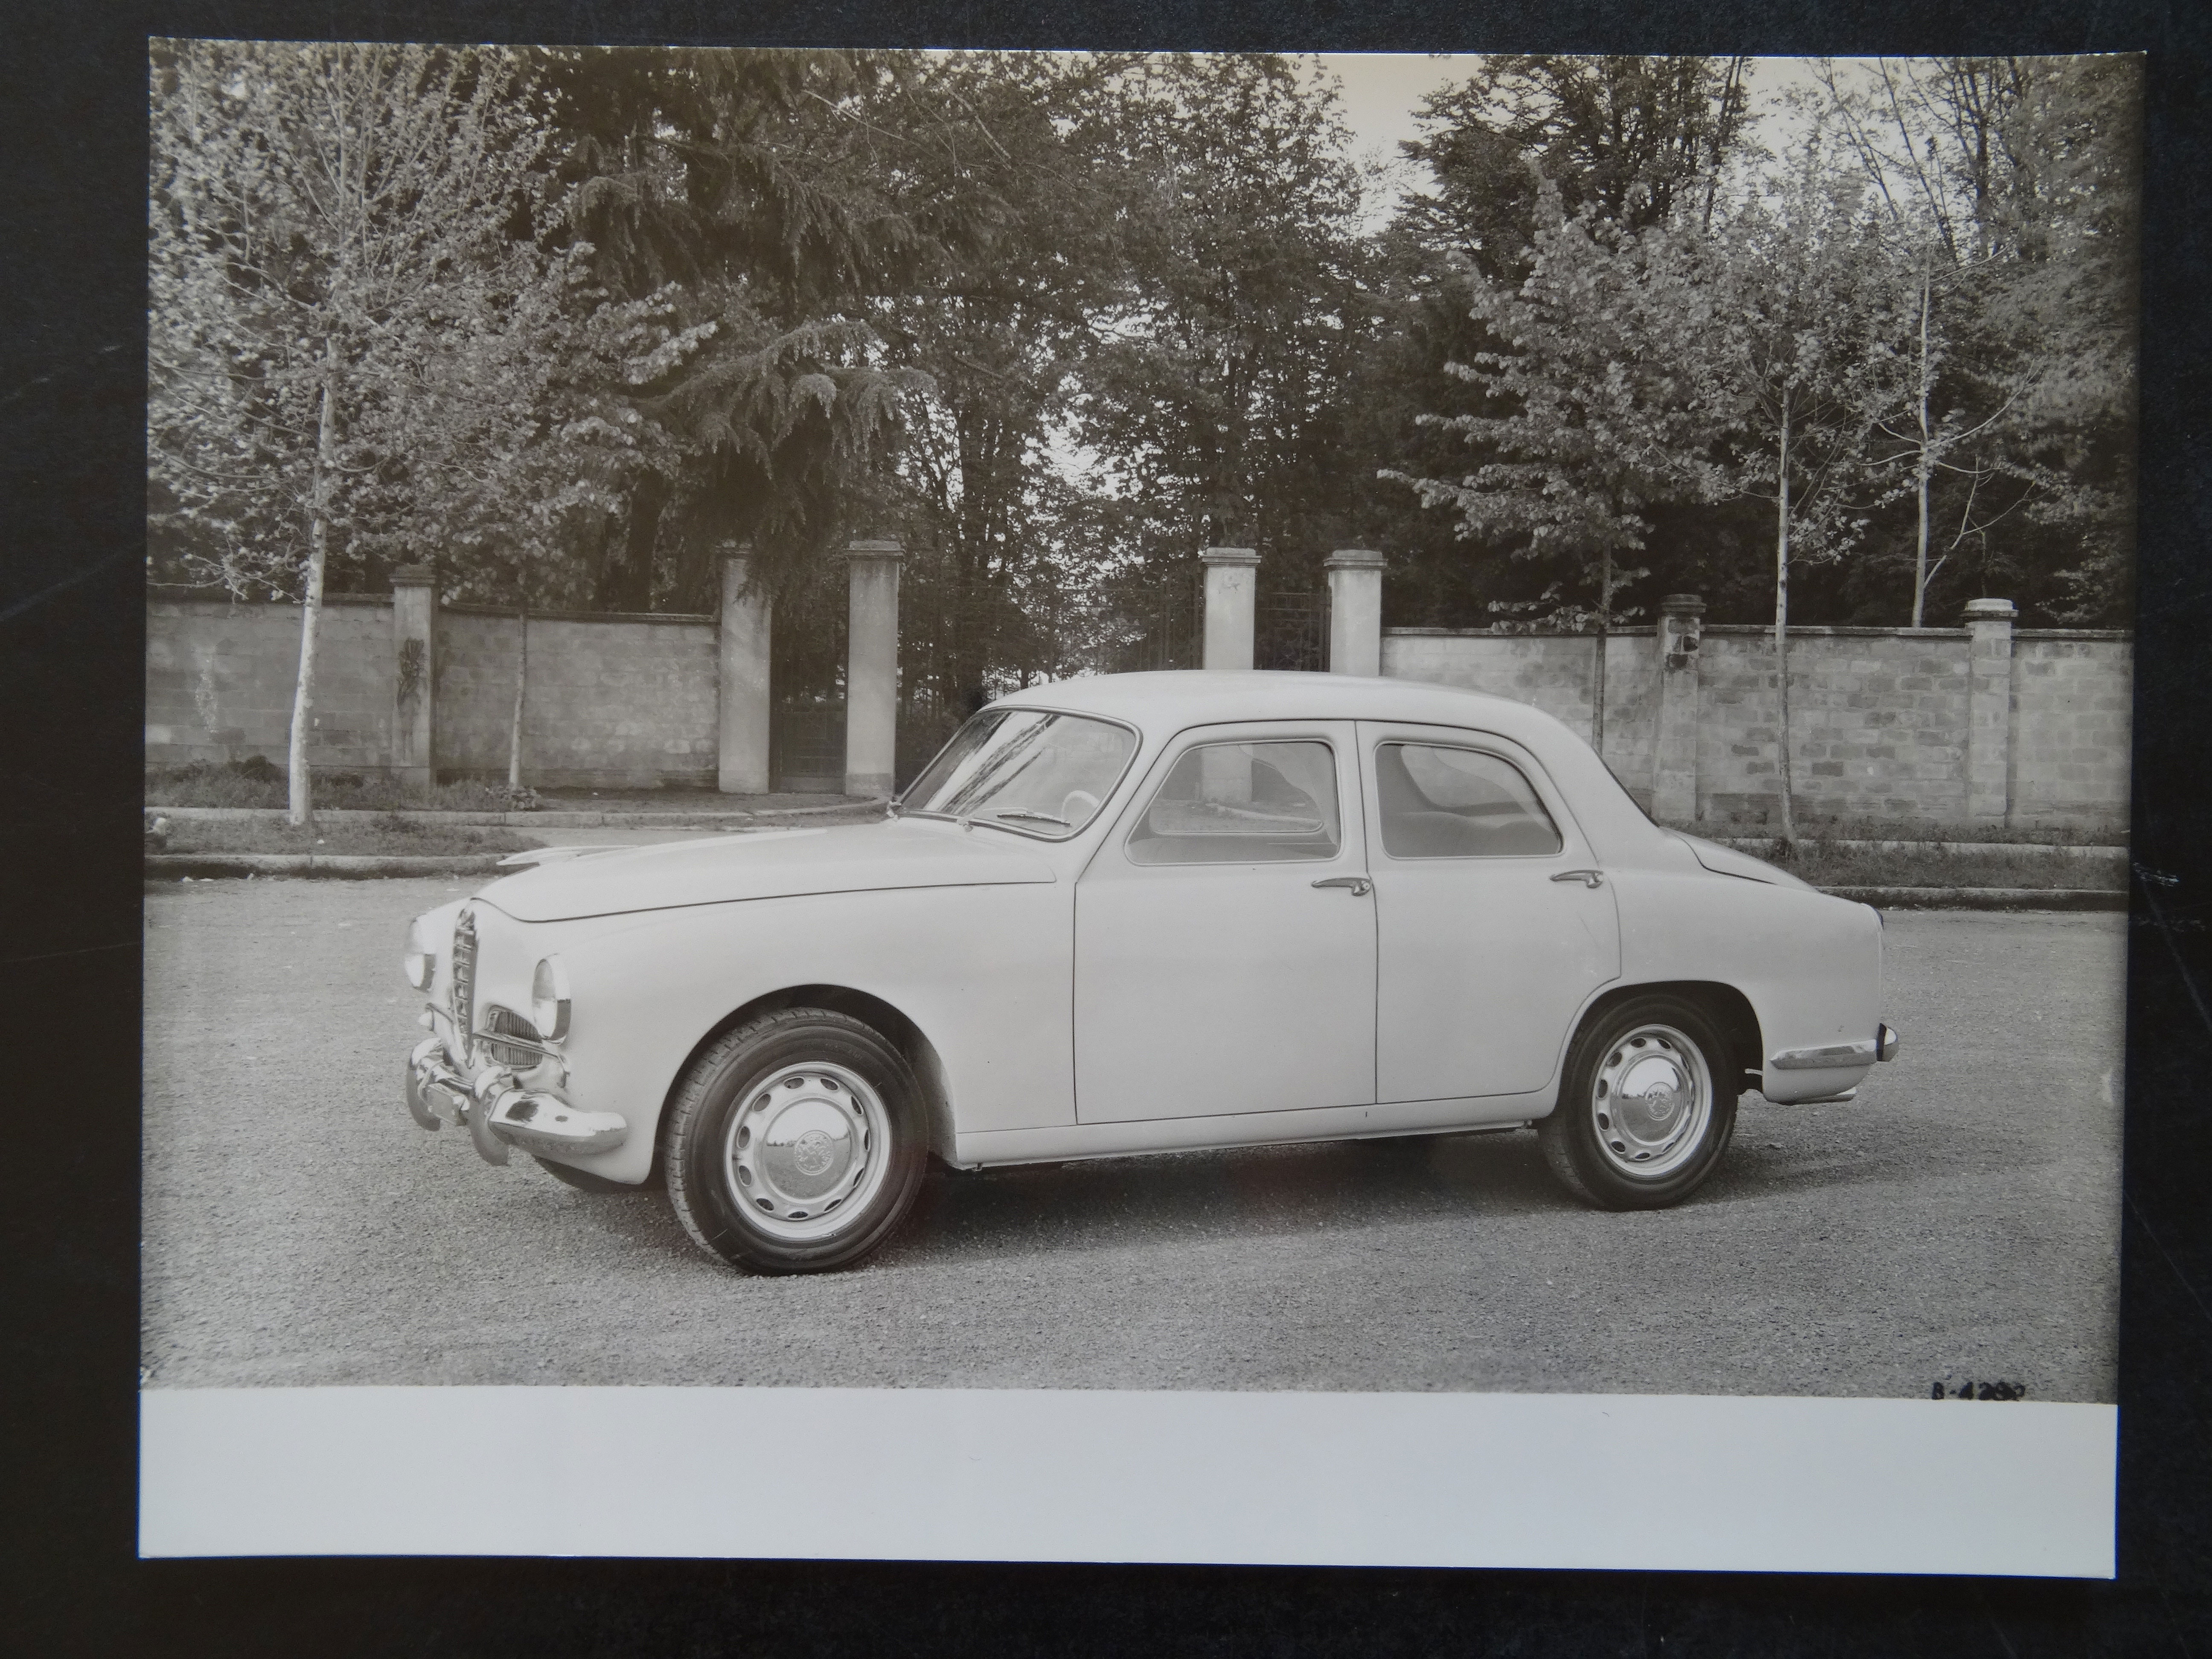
<point x="1360" y="886"/>
<point x="1588" y="877"/>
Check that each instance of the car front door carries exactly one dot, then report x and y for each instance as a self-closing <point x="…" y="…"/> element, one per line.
<point x="1225" y="933"/>
<point x="1494" y="921"/>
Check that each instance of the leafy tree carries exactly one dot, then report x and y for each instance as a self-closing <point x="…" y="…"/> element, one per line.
<point x="1795" y="274"/>
<point x="1214" y="403"/>
<point x="345" y="298"/>
<point x="1604" y="404"/>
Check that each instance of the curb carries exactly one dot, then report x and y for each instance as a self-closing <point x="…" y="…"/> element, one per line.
<point x="1768" y="845"/>
<point x="206" y="867"/>
<point x="681" y="820"/>
<point x="1986" y="898"/>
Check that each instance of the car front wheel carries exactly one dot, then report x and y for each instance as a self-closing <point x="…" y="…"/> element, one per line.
<point x="1646" y="1106"/>
<point x="795" y="1143"/>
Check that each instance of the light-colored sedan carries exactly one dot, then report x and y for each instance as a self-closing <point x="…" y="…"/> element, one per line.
<point x="1143" y="914"/>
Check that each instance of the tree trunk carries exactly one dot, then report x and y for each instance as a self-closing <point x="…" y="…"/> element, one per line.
<point x="1604" y="631"/>
<point x="299" y="785"/>
<point x="1920" y="557"/>
<point x="1781" y="624"/>
<point x="521" y="681"/>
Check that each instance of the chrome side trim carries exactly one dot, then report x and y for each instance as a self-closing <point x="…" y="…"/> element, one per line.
<point x="1828" y="1057"/>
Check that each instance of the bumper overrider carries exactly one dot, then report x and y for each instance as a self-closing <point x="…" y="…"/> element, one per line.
<point x="498" y="1112"/>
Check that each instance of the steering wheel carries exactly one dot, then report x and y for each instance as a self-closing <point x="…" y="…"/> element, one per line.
<point x="1079" y="807"/>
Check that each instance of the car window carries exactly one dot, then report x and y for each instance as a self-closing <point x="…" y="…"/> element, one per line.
<point x="1021" y="769"/>
<point x="1243" y="802"/>
<point x="1443" y="803"/>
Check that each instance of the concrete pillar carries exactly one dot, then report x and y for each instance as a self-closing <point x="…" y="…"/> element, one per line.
<point x="742" y="710"/>
<point x="1674" y="770"/>
<point x="415" y="680"/>
<point x="1232" y="591"/>
<point x="871" y="668"/>
<point x="1355" y="611"/>
<point x="1989" y="707"/>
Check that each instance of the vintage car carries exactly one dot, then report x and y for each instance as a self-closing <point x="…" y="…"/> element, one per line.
<point x="1144" y="913"/>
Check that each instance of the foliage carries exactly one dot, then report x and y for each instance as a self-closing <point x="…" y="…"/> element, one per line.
<point x="572" y="324"/>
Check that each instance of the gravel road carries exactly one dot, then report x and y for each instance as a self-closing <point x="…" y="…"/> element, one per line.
<point x="1960" y="1221"/>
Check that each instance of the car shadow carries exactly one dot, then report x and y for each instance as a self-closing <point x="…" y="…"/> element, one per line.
<point x="1200" y="1196"/>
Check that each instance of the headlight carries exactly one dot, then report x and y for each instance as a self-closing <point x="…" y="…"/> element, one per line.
<point x="420" y="962"/>
<point x="549" y="999"/>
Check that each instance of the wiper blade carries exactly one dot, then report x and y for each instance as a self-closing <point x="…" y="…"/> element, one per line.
<point x="1034" y="817"/>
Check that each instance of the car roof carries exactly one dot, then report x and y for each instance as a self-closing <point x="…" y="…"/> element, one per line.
<point x="1161" y="704"/>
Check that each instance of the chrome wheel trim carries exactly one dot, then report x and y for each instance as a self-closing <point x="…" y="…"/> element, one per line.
<point x="806" y="1147"/>
<point x="1651" y="1102"/>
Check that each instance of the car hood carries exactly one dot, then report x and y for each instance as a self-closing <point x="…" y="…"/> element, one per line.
<point x="1727" y="861"/>
<point x="769" y="864"/>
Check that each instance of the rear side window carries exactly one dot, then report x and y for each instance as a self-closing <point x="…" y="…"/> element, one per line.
<point x="1243" y="802"/>
<point x="1443" y="803"/>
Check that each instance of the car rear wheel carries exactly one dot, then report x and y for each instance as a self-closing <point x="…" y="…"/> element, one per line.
<point x="1646" y="1106"/>
<point x="795" y="1143"/>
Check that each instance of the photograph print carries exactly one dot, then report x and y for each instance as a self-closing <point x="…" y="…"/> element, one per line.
<point x="1210" y="726"/>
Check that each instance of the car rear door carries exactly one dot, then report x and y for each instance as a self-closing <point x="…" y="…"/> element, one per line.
<point x="1225" y="933"/>
<point x="1494" y="921"/>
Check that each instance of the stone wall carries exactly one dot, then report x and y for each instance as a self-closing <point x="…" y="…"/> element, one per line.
<point x="2073" y="698"/>
<point x="1880" y="717"/>
<point x="220" y="677"/>
<point x="613" y="701"/>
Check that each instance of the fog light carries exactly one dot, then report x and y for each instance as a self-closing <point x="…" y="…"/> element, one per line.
<point x="420" y="962"/>
<point x="549" y="999"/>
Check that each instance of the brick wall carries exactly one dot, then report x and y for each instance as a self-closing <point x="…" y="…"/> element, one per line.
<point x="2073" y="698"/>
<point x="624" y="702"/>
<point x="220" y="677"/>
<point x="1879" y="716"/>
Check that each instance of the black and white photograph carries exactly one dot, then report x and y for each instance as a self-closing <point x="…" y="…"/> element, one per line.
<point x="800" y="708"/>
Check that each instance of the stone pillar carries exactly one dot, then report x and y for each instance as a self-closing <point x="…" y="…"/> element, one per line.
<point x="415" y="680"/>
<point x="1989" y="707"/>
<point x="1355" y="611"/>
<point x="871" y="668"/>
<point x="1232" y="587"/>
<point x="742" y="708"/>
<point x="1675" y="770"/>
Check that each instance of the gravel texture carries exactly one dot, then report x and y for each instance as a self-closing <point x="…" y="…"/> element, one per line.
<point x="1959" y="1222"/>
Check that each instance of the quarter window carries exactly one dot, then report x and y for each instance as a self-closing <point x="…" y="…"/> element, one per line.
<point x="1439" y="803"/>
<point x="1243" y="802"/>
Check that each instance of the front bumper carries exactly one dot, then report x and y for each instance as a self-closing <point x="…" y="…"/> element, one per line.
<point x="498" y="1112"/>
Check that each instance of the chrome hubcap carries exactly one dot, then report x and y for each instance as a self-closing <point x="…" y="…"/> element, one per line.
<point x="1651" y="1102"/>
<point x="808" y="1145"/>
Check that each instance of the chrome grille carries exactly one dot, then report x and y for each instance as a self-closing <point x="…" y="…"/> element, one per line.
<point x="505" y="1022"/>
<point x="461" y="998"/>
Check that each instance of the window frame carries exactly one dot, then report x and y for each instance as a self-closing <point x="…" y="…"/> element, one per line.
<point x="1141" y="802"/>
<point x="1527" y="767"/>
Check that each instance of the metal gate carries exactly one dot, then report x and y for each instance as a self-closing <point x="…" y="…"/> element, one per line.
<point x="1290" y="630"/>
<point x="1171" y="627"/>
<point x="806" y="749"/>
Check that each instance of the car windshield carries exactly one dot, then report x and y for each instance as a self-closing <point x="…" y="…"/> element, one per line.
<point x="1021" y="769"/>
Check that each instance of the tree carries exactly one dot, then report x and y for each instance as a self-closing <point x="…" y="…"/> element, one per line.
<point x="1603" y="404"/>
<point x="342" y="276"/>
<point x="1214" y="403"/>
<point x="2008" y="186"/>
<point x="1795" y="277"/>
